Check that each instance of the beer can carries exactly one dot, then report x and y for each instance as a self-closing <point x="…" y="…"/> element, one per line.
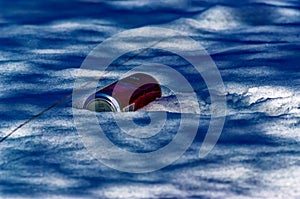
<point x="128" y="94"/>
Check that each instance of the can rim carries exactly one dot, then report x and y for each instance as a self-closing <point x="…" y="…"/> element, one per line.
<point x="108" y="99"/>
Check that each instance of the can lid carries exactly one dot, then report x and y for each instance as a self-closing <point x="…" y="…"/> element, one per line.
<point x="101" y="105"/>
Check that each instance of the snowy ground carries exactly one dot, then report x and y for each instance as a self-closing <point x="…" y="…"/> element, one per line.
<point x="255" y="45"/>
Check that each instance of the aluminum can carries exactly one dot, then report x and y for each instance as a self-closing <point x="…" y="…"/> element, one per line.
<point x="128" y="94"/>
